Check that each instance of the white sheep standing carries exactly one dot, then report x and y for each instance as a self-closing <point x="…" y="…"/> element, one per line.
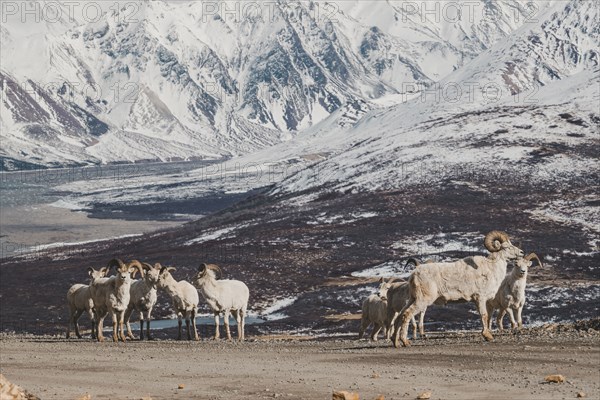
<point x="111" y="295"/>
<point x="143" y="296"/>
<point x="476" y="279"/>
<point x="225" y="296"/>
<point x="79" y="299"/>
<point x="511" y="295"/>
<point x="398" y="296"/>
<point x="374" y="311"/>
<point x="184" y="298"/>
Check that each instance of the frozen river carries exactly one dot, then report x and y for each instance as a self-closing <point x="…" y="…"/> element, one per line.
<point x="35" y="212"/>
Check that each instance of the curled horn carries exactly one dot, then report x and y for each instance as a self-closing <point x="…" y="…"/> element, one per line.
<point x="412" y="261"/>
<point x="115" y="262"/>
<point x="531" y="256"/>
<point x="104" y="270"/>
<point x="163" y="269"/>
<point x="490" y="239"/>
<point x="138" y="265"/>
<point x="216" y="269"/>
<point x="146" y="266"/>
<point x="90" y="270"/>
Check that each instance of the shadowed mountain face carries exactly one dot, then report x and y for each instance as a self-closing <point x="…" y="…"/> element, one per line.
<point x="171" y="80"/>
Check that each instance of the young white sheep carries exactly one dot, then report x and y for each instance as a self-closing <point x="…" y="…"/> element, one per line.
<point x="184" y="297"/>
<point x="374" y="311"/>
<point x="511" y="295"/>
<point x="223" y="296"/>
<point x="111" y="295"/>
<point x="143" y="296"/>
<point x="79" y="299"/>
<point x="474" y="279"/>
<point x="398" y="296"/>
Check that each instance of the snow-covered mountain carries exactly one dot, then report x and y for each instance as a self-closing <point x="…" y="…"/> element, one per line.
<point x="171" y="80"/>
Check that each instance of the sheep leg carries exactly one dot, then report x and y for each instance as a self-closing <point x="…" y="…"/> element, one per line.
<point x="392" y="316"/>
<point x="401" y="326"/>
<point x="148" y="319"/>
<point x="375" y="332"/>
<point x="364" y="324"/>
<point x="187" y="325"/>
<point x="217" y="334"/>
<point x="179" y="323"/>
<point x="100" y="326"/>
<point x="520" y="317"/>
<point x="511" y="315"/>
<point x="422" y="325"/>
<point x="226" y="323"/>
<point x="236" y="316"/>
<point x="482" y="308"/>
<point x="93" y="319"/>
<point x="414" y="325"/>
<point x="193" y="318"/>
<point x="499" y="320"/>
<point x="142" y="326"/>
<point x="242" y="324"/>
<point x="76" y="320"/>
<point x="128" y="313"/>
<point x="490" y="312"/>
<point x="115" y="327"/>
<point x="121" y="316"/>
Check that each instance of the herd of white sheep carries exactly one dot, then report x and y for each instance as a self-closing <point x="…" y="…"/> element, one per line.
<point x="482" y="280"/>
<point x="479" y="279"/>
<point x="119" y="295"/>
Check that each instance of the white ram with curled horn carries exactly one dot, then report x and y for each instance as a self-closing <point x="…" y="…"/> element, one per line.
<point x="475" y="279"/>
<point x="225" y="296"/>
<point x="511" y="295"/>
<point x="184" y="298"/>
<point x="143" y="296"/>
<point x="111" y="295"/>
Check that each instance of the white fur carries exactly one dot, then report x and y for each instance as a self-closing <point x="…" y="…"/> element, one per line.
<point x="143" y="297"/>
<point x="224" y="296"/>
<point x="184" y="298"/>
<point x="510" y="298"/>
<point x="111" y="295"/>
<point x="79" y="299"/>
<point x="475" y="279"/>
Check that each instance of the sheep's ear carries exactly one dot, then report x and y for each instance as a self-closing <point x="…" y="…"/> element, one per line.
<point x="90" y="271"/>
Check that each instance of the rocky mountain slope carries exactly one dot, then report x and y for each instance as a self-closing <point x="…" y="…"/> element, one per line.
<point x="178" y="80"/>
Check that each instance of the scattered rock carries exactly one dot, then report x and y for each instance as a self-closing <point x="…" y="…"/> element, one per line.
<point x="380" y="397"/>
<point x="86" y="396"/>
<point x="375" y="376"/>
<point x="580" y="395"/>
<point x="181" y="386"/>
<point x="555" y="378"/>
<point x="344" y="395"/>
<point x="424" y="396"/>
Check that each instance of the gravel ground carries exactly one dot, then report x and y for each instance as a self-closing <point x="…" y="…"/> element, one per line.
<point x="455" y="365"/>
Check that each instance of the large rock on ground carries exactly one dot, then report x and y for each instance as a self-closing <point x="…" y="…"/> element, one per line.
<point x="10" y="391"/>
